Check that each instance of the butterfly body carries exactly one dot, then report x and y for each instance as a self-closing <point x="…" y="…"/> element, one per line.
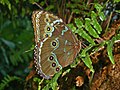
<point x="55" y="44"/>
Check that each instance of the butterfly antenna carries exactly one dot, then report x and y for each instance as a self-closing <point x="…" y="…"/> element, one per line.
<point x="38" y="5"/>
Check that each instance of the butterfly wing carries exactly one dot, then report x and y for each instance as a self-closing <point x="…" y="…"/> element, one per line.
<point x="55" y="51"/>
<point x="43" y="24"/>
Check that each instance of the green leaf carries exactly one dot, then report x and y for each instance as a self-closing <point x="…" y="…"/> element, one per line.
<point x="7" y="3"/>
<point x="10" y="44"/>
<point x="83" y="34"/>
<point x="31" y="49"/>
<point x="97" y="47"/>
<point x="89" y="28"/>
<point x="55" y="78"/>
<point x="93" y="15"/>
<point x="23" y="12"/>
<point x="72" y="27"/>
<point x="76" y="11"/>
<point x="110" y="46"/>
<point x="39" y="81"/>
<point x="117" y="11"/>
<point x="117" y="37"/>
<point x="35" y="79"/>
<point x="5" y="82"/>
<point x="116" y="1"/>
<point x="88" y="62"/>
<point x="75" y="63"/>
<point x="17" y="1"/>
<point x="53" y="82"/>
<point x="98" y="7"/>
<point x="109" y="50"/>
<point x="96" y="25"/>
<point x="49" y="7"/>
<point x="47" y="87"/>
<point x="42" y="3"/>
<point x="79" y="23"/>
<point x="101" y="16"/>
<point x="4" y="54"/>
<point x="84" y="51"/>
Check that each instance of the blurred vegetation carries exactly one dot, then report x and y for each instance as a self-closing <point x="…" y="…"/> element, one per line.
<point x="85" y="17"/>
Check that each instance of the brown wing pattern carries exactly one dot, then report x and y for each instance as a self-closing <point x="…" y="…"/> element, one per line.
<point x="41" y="20"/>
<point x="56" y="46"/>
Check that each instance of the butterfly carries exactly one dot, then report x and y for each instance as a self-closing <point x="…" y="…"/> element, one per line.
<point x="55" y="44"/>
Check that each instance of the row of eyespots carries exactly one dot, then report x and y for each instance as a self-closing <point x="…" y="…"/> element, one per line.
<point x="47" y="29"/>
<point x="54" y="64"/>
<point x="54" y="43"/>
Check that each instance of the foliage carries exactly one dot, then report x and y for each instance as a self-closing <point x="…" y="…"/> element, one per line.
<point x="7" y="80"/>
<point x="17" y="39"/>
